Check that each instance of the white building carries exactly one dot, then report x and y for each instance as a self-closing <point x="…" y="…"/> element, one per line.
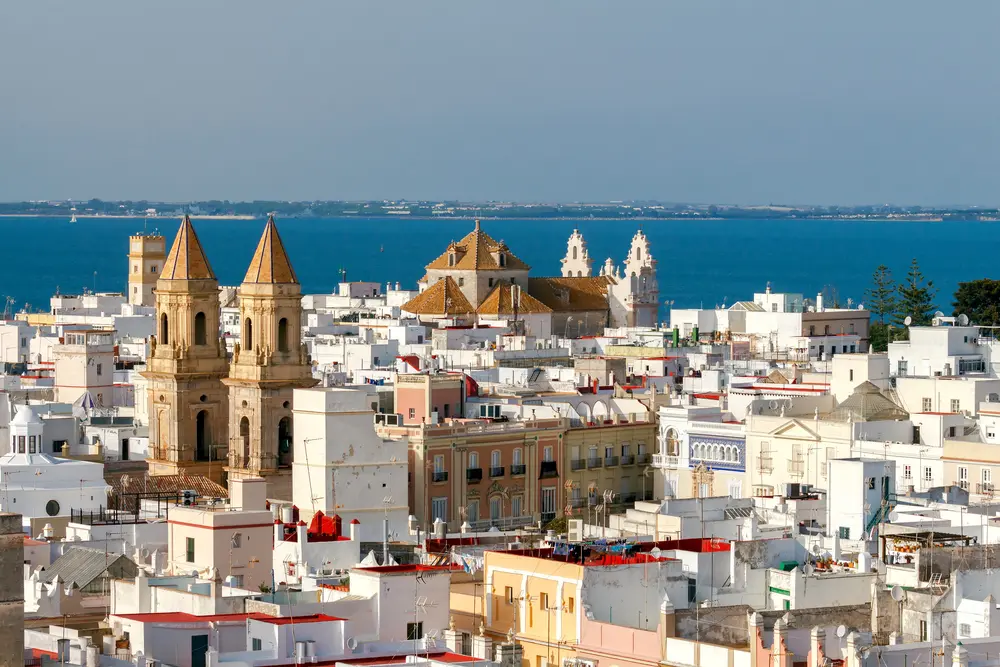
<point x="944" y="349"/>
<point x="865" y="492"/>
<point x="340" y="466"/>
<point x="34" y="484"/>
<point x="85" y="363"/>
<point x="15" y="341"/>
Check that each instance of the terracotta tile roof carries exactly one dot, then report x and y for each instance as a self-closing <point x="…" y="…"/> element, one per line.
<point x="571" y="294"/>
<point x="270" y="262"/>
<point x="128" y="488"/>
<point x="442" y="298"/>
<point x="501" y="302"/>
<point x="475" y="252"/>
<point x="187" y="260"/>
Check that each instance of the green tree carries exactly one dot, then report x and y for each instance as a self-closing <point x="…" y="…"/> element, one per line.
<point x="916" y="298"/>
<point x="881" y="304"/>
<point x="881" y="295"/>
<point x="980" y="300"/>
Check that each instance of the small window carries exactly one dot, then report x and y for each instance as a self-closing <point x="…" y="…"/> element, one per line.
<point x="20" y="444"/>
<point x="964" y="630"/>
<point x="52" y="508"/>
<point x="926" y="405"/>
<point x="200" y="329"/>
<point x="907" y="472"/>
<point x="283" y="336"/>
<point x="31" y="444"/>
<point x="543" y="601"/>
<point x="509" y="593"/>
<point x="850" y="375"/>
<point x="570" y="605"/>
<point x="928" y="474"/>
<point x="100" y="369"/>
<point x="414" y="631"/>
<point x="237" y="540"/>
<point x="255" y="644"/>
<point x="413" y="413"/>
<point x="189" y="552"/>
<point x="845" y="532"/>
<point x="956" y="405"/>
<point x="461" y="281"/>
<point x="547" y="454"/>
<point x="491" y="282"/>
<point x="152" y="269"/>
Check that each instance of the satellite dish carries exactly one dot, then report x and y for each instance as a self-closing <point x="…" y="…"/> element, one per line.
<point x="897" y="593"/>
<point x="963" y="320"/>
<point x="808" y="569"/>
<point x="841" y="631"/>
<point x="939" y="314"/>
<point x="655" y="552"/>
<point x="352" y="643"/>
<point x="908" y="320"/>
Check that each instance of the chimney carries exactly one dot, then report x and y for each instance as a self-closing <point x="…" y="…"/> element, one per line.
<point x="279" y="531"/>
<point x="248" y="493"/>
<point x="355" y="530"/>
<point x="819" y="302"/>
<point x="482" y="646"/>
<point x="300" y="533"/>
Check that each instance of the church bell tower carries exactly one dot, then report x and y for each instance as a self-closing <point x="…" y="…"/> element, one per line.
<point x="187" y="362"/>
<point x="268" y="363"/>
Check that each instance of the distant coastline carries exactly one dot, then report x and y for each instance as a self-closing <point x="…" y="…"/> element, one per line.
<point x="631" y="211"/>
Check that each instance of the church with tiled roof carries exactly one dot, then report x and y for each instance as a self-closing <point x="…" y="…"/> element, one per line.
<point x="479" y="280"/>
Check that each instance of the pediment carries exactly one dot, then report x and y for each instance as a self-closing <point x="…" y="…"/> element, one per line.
<point x="794" y="429"/>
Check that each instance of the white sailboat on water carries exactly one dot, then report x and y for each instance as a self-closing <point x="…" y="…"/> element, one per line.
<point x="72" y="217"/>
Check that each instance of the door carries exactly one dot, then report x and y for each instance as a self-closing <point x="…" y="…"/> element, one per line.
<point x="124" y="449"/>
<point x="199" y="646"/>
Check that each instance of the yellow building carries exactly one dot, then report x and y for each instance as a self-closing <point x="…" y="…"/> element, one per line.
<point x="609" y="458"/>
<point x="537" y="599"/>
<point x="544" y="598"/>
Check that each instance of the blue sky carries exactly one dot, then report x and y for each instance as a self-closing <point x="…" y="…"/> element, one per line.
<point x="707" y="101"/>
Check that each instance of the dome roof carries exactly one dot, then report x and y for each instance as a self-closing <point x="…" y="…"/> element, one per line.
<point x="868" y="404"/>
<point x="25" y="415"/>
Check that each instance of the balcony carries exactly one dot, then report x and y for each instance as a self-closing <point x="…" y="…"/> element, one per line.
<point x="610" y="461"/>
<point x="577" y="503"/>
<point x="627" y="460"/>
<point x="577" y="464"/>
<point x="796" y="467"/>
<point x="984" y="488"/>
<point x="549" y="469"/>
<point x="496" y="471"/>
<point x="641" y="459"/>
<point x="517" y="469"/>
<point x="665" y="461"/>
<point x="593" y="463"/>
<point x="472" y="475"/>
<point x="765" y="464"/>
<point x="547" y="516"/>
<point x="439" y="476"/>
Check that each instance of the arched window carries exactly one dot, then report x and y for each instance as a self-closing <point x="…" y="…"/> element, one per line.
<point x="518" y="457"/>
<point x="579" y="274"/>
<point x="283" y="335"/>
<point x="473" y="460"/>
<point x="245" y="437"/>
<point x="503" y="260"/>
<point x="495" y="458"/>
<point x="638" y="252"/>
<point x="202" y="444"/>
<point x="285" y="442"/>
<point x="247" y="334"/>
<point x="673" y="443"/>
<point x="164" y="330"/>
<point x="574" y="252"/>
<point x="200" y="333"/>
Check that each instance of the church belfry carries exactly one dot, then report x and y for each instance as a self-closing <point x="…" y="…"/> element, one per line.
<point x="268" y="363"/>
<point x="187" y="361"/>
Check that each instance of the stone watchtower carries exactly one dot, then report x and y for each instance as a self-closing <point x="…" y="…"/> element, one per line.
<point x="269" y="362"/>
<point x="187" y="400"/>
<point x="146" y="256"/>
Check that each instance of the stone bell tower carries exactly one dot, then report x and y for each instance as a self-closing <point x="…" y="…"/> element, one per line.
<point x="187" y="362"/>
<point x="268" y="363"/>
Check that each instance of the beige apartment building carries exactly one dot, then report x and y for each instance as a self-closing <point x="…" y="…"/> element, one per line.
<point x="608" y="459"/>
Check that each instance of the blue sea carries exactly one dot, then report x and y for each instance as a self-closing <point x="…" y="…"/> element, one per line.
<point x="701" y="263"/>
